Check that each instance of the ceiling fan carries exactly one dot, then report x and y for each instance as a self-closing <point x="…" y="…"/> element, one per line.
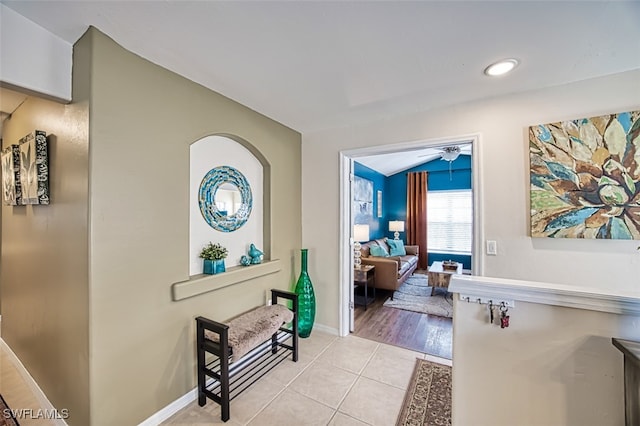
<point x="447" y="153"/>
<point x="450" y="153"/>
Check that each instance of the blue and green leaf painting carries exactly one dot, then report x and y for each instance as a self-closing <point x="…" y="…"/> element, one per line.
<point x="585" y="177"/>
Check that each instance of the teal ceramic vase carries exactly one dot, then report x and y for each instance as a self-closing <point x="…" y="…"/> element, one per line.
<point x="211" y="267"/>
<point x="306" y="299"/>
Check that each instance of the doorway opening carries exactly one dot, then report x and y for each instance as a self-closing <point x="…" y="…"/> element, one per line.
<point x="383" y="158"/>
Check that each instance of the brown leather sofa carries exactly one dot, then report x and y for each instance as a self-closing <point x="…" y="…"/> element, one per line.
<point x="391" y="271"/>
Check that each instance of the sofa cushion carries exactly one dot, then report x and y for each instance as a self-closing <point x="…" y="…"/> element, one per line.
<point x="396" y="248"/>
<point x="377" y="251"/>
<point x="382" y="242"/>
<point x="406" y="263"/>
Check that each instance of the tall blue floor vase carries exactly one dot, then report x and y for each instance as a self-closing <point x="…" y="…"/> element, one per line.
<point x="306" y="299"/>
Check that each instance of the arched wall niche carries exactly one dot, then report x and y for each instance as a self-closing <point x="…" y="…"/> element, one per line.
<point x="223" y="149"/>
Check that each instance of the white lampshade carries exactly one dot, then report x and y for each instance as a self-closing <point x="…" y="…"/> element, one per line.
<point x="396" y="225"/>
<point x="361" y="232"/>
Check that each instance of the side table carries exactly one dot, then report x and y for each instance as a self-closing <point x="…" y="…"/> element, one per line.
<point x="364" y="276"/>
<point x="440" y="277"/>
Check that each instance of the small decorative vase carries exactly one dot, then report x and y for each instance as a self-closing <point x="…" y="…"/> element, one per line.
<point x="218" y="266"/>
<point x="245" y="261"/>
<point x="306" y="299"/>
<point x="212" y="267"/>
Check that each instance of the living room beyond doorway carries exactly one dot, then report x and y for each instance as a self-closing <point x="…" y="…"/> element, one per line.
<point x="379" y="198"/>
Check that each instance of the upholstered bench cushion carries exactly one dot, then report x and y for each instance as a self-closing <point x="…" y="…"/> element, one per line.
<point x="248" y="330"/>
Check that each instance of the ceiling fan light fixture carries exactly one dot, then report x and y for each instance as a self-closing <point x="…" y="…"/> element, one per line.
<point x="501" y="67"/>
<point x="450" y="153"/>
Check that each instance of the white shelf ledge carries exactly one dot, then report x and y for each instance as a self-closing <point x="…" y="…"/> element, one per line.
<point x="199" y="284"/>
<point x="548" y="294"/>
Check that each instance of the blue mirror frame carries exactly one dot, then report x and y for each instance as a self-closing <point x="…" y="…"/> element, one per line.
<point x="213" y="180"/>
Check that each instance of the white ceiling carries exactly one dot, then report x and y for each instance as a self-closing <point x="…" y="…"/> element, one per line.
<point x="390" y="163"/>
<point x="313" y="64"/>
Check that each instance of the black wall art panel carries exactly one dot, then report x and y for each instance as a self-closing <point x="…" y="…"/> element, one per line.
<point x="11" y="188"/>
<point x="34" y="168"/>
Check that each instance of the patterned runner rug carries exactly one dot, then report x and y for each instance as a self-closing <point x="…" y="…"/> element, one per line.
<point x="428" y="398"/>
<point x="6" y="416"/>
<point x="415" y="295"/>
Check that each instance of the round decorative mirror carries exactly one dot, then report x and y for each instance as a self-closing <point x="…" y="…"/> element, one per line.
<point x="225" y="198"/>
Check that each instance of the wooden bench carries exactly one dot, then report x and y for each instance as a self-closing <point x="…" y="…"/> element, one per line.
<point x="234" y="355"/>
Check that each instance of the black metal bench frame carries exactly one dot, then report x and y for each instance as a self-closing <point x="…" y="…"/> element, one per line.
<point x="221" y="380"/>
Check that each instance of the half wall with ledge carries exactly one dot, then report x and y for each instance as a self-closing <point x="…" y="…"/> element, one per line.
<point x="553" y="364"/>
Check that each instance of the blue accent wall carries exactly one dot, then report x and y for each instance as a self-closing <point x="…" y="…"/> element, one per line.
<point x="377" y="224"/>
<point x="395" y="202"/>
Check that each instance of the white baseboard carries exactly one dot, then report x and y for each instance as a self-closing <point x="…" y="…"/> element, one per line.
<point x="44" y="402"/>
<point x="326" y="329"/>
<point x="168" y="411"/>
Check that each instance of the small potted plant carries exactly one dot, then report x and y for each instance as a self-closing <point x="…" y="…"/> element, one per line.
<point x="213" y="255"/>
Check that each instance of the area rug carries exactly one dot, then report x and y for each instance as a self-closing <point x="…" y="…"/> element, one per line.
<point x="415" y="295"/>
<point x="428" y="398"/>
<point x="6" y="415"/>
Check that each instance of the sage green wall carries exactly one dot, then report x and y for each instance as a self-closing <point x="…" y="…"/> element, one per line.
<point x="143" y="119"/>
<point x="44" y="276"/>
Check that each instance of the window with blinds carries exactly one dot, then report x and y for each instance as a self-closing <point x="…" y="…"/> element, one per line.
<point x="450" y="221"/>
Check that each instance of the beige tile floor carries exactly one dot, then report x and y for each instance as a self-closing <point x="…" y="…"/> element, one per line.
<point x="337" y="381"/>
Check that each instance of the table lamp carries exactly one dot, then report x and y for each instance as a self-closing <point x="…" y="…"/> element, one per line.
<point x="396" y="226"/>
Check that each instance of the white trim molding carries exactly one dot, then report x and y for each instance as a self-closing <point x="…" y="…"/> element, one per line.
<point x="326" y="329"/>
<point x="171" y="409"/>
<point x="569" y="296"/>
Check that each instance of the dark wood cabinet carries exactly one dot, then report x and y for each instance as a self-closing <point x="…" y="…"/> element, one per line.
<point x="631" y="351"/>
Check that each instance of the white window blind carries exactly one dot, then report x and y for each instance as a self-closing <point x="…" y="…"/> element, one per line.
<point x="450" y="221"/>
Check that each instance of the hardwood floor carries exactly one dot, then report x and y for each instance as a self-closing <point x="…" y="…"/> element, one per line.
<point x="412" y="330"/>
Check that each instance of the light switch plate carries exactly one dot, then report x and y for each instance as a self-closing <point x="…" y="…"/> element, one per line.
<point x="492" y="248"/>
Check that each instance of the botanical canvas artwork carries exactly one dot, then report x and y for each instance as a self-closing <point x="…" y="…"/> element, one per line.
<point x="362" y="200"/>
<point x="585" y="177"/>
<point x="34" y="168"/>
<point x="11" y="191"/>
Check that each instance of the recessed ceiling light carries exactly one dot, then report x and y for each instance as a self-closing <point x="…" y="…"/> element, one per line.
<point x="501" y="67"/>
